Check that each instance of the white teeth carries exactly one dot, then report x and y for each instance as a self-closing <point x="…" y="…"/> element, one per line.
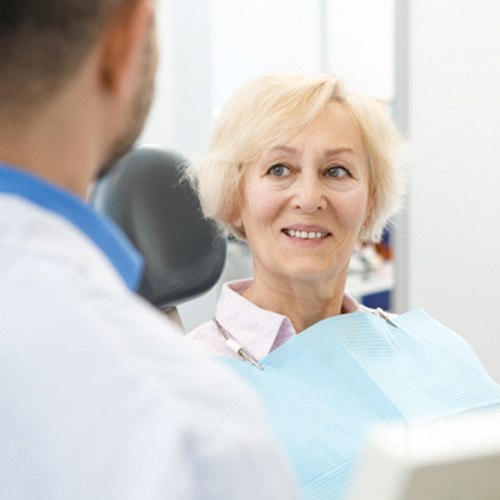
<point x="305" y="235"/>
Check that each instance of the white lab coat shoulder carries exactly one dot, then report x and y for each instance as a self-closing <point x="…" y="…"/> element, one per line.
<point x="100" y="397"/>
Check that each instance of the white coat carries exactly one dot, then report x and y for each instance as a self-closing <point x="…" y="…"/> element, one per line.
<point x="99" y="397"/>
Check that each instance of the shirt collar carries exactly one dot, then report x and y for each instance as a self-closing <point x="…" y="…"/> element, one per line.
<point x="259" y="330"/>
<point x="101" y="230"/>
<point x="253" y="327"/>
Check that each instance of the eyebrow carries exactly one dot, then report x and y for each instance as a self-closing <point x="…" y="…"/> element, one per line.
<point x="290" y="150"/>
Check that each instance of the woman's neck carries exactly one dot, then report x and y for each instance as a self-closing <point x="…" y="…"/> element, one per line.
<point x="303" y="302"/>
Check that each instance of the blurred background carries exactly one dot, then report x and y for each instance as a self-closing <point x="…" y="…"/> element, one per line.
<point x="435" y="64"/>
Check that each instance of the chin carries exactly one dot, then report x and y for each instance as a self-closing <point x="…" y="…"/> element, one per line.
<point x="314" y="274"/>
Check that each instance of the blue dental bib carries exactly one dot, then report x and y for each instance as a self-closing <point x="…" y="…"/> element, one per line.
<point x="325" y="388"/>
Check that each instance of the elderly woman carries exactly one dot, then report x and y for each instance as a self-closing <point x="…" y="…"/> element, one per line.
<point x="302" y="170"/>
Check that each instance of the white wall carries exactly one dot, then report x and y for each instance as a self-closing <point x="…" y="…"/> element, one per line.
<point x="159" y="126"/>
<point x="261" y="36"/>
<point x="454" y="199"/>
<point x="209" y="48"/>
<point x="360" y="44"/>
<point x="181" y="113"/>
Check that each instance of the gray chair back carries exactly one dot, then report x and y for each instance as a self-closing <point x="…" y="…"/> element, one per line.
<point x="147" y="195"/>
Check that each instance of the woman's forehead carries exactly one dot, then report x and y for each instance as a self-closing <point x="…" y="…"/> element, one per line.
<point x="335" y="127"/>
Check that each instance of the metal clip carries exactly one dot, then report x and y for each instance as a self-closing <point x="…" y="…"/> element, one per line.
<point x="385" y="316"/>
<point x="236" y="347"/>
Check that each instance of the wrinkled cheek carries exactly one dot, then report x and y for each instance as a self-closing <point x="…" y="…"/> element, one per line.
<point x="353" y="214"/>
<point x="260" y="209"/>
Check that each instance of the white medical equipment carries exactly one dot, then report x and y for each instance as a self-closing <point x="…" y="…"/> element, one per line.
<point x="456" y="458"/>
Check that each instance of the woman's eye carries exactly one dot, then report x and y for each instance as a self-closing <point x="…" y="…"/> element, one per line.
<point x="337" y="172"/>
<point x="279" y="170"/>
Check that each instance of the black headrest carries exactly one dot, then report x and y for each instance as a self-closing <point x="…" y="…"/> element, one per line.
<point x="146" y="194"/>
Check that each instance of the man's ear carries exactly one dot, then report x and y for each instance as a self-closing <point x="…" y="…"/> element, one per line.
<point x="122" y="44"/>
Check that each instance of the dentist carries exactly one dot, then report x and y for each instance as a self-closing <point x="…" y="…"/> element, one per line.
<point x="99" y="398"/>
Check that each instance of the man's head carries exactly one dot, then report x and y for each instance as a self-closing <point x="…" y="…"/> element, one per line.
<point x="86" y="65"/>
<point x="44" y="43"/>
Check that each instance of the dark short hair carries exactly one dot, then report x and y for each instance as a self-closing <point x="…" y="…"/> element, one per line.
<point x="43" y="42"/>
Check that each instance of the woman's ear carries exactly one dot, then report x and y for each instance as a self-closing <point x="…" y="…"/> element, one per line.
<point x="367" y="226"/>
<point x="237" y="223"/>
<point x="127" y="33"/>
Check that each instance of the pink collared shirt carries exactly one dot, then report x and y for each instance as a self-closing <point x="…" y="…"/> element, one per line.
<point x="258" y="330"/>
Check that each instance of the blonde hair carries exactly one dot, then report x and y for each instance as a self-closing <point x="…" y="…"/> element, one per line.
<point x="278" y="105"/>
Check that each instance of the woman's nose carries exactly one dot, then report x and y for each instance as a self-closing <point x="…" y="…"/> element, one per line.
<point x="309" y="194"/>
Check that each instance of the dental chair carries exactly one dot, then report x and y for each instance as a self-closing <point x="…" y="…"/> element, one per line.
<point x="146" y="194"/>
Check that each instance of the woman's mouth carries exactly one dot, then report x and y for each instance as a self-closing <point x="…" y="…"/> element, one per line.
<point x="305" y="235"/>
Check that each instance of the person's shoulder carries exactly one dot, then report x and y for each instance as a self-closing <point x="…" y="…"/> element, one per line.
<point x="120" y="359"/>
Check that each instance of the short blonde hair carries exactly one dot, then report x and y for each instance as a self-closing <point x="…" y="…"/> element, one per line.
<point x="278" y="105"/>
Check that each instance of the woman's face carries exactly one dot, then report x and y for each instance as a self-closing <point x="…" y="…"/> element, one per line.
<point x="305" y="201"/>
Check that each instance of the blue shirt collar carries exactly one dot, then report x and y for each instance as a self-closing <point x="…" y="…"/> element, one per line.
<point x="101" y="230"/>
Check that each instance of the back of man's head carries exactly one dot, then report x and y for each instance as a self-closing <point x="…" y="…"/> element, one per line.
<point x="43" y="43"/>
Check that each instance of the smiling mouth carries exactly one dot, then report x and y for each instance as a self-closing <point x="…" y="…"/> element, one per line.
<point x="305" y="235"/>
